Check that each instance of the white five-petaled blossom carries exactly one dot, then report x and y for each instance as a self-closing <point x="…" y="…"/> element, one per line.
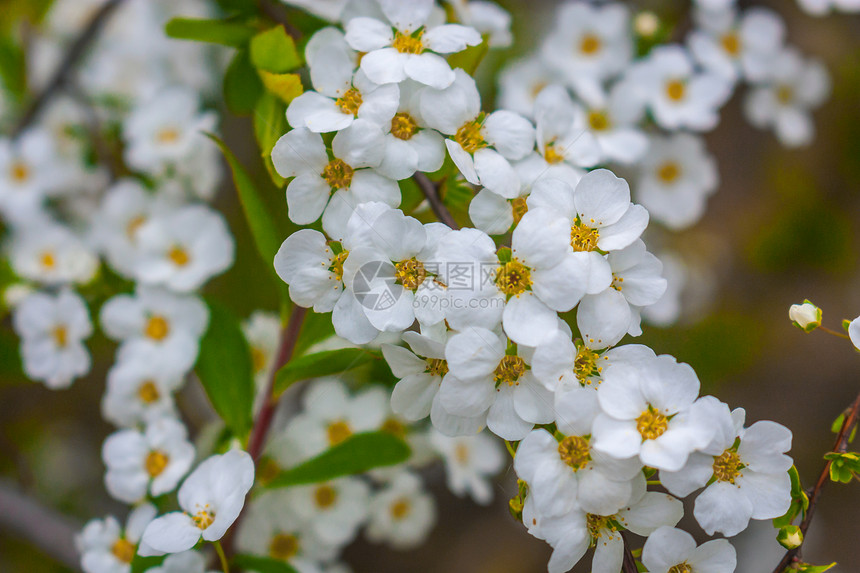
<point x="793" y="87"/>
<point x="140" y="389"/>
<point x="481" y="145"/>
<point x="52" y="254"/>
<point x="28" y="174"/>
<point x="211" y="499"/>
<point x="262" y="330"/>
<point x="52" y="330"/>
<point x="402" y="513"/>
<point x="152" y="461"/>
<point x="407" y="46"/>
<point x="649" y="409"/>
<point x="470" y="463"/>
<point x="822" y="7"/>
<point x="106" y="547"/>
<point x="420" y="368"/>
<point x="668" y="550"/>
<point x="334" y="510"/>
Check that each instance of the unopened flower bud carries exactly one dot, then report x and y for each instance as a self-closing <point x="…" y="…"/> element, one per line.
<point x="790" y="536"/>
<point x="646" y="24"/>
<point x="805" y="316"/>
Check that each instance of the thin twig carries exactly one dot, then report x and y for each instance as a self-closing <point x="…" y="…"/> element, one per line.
<point x="64" y="69"/>
<point x="833" y="332"/>
<point x="431" y="191"/>
<point x="49" y="531"/>
<point x="629" y="560"/>
<point x="841" y="446"/>
<point x="276" y="14"/>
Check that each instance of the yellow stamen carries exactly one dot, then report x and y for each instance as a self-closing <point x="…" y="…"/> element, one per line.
<point x="157" y="327"/>
<point x="408" y="44"/>
<point x="727" y="466"/>
<point x="469" y="137"/>
<point x="283" y="546"/>
<point x="325" y="496"/>
<point x="133" y="225"/>
<point x="394" y="427"/>
<point x="651" y="424"/>
<point x="461" y="453"/>
<point x="148" y="392"/>
<point x="167" y="135"/>
<point x="519" y="207"/>
<point x="675" y="90"/>
<point x="668" y="172"/>
<point x="338" y="432"/>
<point x="403" y="126"/>
<point x="400" y="509"/>
<point x="410" y="273"/>
<point x="784" y="94"/>
<point x="585" y="364"/>
<point x="551" y="155"/>
<point x="513" y="277"/>
<point x="509" y="370"/>
<point x="179" y="256"/>
<point x="203" y="518"/>
<point x="123" y="550"/>
<point x="155" y="463"/>
<point x="598" y="120"/>
<point x="19" y="171"/>
<point x="61" y="336"/>
<point x="731" y="43"/>
<point x="338" y="174"/>
<point x="337" y="265"/>
<point x="574" y="451"/>
<point x="590" y="44"/>
<point x="583" y="238"/>
<point x="436" y="366"/>
<point x="681" y="568"/>
<point x="350" y="101"/>
<point x="48" y="260"/>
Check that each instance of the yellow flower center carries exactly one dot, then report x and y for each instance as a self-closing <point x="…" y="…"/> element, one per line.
<point x="461" y="454"/>
<point x="61" y="336"/>
<point x="133" y="225"/>
<point x="47" y="260"/>
<point x="537" y="88"/>
<point x="617" y="282"/>
<point x="338" y="174"/>
<point x="123" y="550"/>
<point x="148" y="392"/>
<point x="727" y="466"/>
<point x="167" y="135"/>
<point x="155" y="463"/>
<point x="519" y="207"/>
<point x="337" y="265"/>
<point x="350" y="101"/>
<point x="283" y="546"/>
<point x="258" y="359"/>
<point x="651" y="424"/>
<point x="325" y="496"/>
<point x="574" y="451"/>
<point x="590" y="44"/>
<point x="157" y="327"/>
<point x="668" y="172"/>
<point x="681" y="568"/>
<point x="410" y="273"/>
<point x="203" y="518"/>
<point x="469" y="136"/>
<point x="513" y="277"/>
<point x="408" y="44"/>
<point x="19" y="171"/>
<point x="784" y="94"/>
<point x="394" y="427"/>
<point x="267" y="470"/>
<point x="338" y="432"/>
<point x="403" y="126"/>
<point x="597" y="523"/>
<point x="401" y="508"/>
<point x="179" y="256"/>
<point x="675" y="90"/>
<point x="509" y="370"/>
<point x="583" y="238"/>
<point x="731" y="43"/>
<point x="598" y="120"/>
<point x="551" y="155"/>
<point x="436" y="366"/>
<point x="585" y="365"/>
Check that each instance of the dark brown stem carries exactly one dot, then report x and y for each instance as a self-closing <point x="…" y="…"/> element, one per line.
<point x="276" y="13"/>
<point x="289" y="337"/>
<point x="629" y="560"/>
<point x="44" y="528"/>
<point x="64" y="69"/>
<point x="841" y="446"/>
<point x="431" y="191"/>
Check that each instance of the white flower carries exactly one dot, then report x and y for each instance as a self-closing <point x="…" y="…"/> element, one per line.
<point x="335" y="185"/>
<point x="483" y="379"/>
<point x="572" y="533"/>
<point x="52" y="331"/>
<point x="402" y="513"/>
<point x="140" y="389"/>
<point x="794" y="86"/>
<point x="667" y="310"/>
<point x="171" y="324"/>
<point x="807" y="316"/>
<point x="678" y="95"/>
<point x="561" y="134"/>
<point x="29" y="171"/>
<point x="314" y="270"/>
<point x="106" y="547"/>
<point x="521" y="81"/>
<point x="263" y="333"/>
<point x="164" y="130"/>
<point x="612" y="116"/>
<point x="604" y="318"/>
<point x="330" y="416"/>
<point x="481" y="145"/>
<point x="648" y="411"/>
<point x="676" y="177"/>
<point x="470" y="463"/>
<point x="749" y="470"/>
<point x="737" y="47"/>
<point x="669" y="549"/>
<point x="211" y="499"/>
<point x="420" y="370"/>
<point x="185" y="562"/>
<point x="589" y="43"/>
<point x="50" y="253"/>
<point x="854" y="332"/>
<point x="406" y="47"/>
<point x="340" y="95"/>
<point x="273" y="529"/>
<point x="334" y="510"/>
<point x="151" y="461"/>
<point x="822" y="7"/>
<point x="183" y="249"/>
<point x="487" y="18"/>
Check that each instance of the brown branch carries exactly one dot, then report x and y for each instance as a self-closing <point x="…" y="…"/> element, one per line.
<point x="629" y="560"/>
<point x="64" y="69"/>
<point x="44" y="528"/>
<point x="431" y="191"/>
<point x="841" y="446"/>
<point x="277" y="14"/>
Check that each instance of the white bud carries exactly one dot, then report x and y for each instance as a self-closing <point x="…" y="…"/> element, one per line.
<point x="806" y="316"/>
<point x="15" y="293"/>
<point x="646" y="24"/>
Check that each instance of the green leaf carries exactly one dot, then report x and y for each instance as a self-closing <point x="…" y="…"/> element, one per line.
<point x="262" y="564"/>
<point x="270" y="123"/>
<point x="263" y="229"/>
<point x="242" y="85"/>
<point x="140" y="564"/>
<point x="470" y="58"/>
<point x="357" y="454"/>
<point x="321" y="364"/>
<point x="212" y="31"/>
<point x="12" y="68"/>
<point x="286" y="86"/>
<point x="275" y="51"/>
<point x="807" y="568"/>
<point x="225" y="369"/>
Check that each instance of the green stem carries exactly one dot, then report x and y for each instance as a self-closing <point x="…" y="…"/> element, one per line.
<point x="510" y="449"/>
<point x="220" y="550"/>
<point x="833" y="332"/>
